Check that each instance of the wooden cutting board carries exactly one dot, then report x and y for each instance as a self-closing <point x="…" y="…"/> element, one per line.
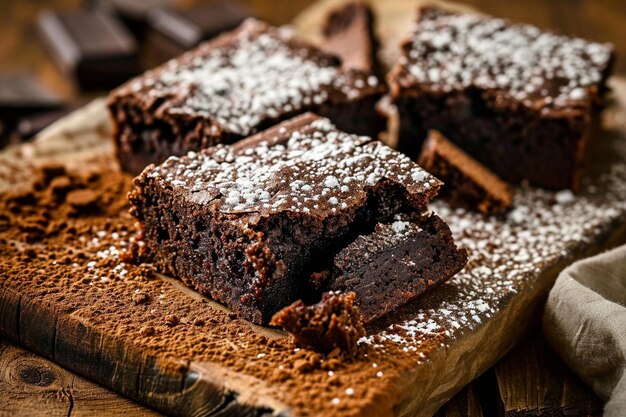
<point x="408" y="366"/>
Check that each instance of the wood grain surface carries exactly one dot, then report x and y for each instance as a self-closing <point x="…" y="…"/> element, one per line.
<point x="532" y="380"/>
<point x="33" y="386"/>
<point x="526" y="385"/>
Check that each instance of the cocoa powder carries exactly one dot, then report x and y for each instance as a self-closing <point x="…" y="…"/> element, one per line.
<point x="65" y="239"/>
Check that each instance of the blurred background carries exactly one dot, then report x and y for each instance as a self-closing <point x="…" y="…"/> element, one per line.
<point x="44" y="75"/>
<point x="21" y="48"/>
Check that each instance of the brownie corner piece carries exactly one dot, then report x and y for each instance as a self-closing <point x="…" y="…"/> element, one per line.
<point x="348" y="32"/>
<point x="247" y="223"/>
<point x="396" y="263"/>
<point x="233" y="86"/>
<point x="518" y="99"/>
<point x="334" y="322"/>
<point x="467" y="183"/>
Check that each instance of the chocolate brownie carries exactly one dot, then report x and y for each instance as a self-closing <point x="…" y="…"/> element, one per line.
<point x="248" y="223"/>
<point x="396" y="263"/>
<point x="333" y="323"/>
<point x="518" y="99"/>
<point x="467" y="183"/>
<point x="240" y="83"/>
<point x="349" y="33"/>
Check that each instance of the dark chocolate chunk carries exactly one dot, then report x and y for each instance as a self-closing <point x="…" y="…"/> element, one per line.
<point x="173" y="31"/>
<point x="333" y="323"/>
<point x="92" y="47"/>
<point x="134" y="13"/>
<point x="248" y="223"/>
<point x="22" y="94"/>
<point x="467" y="183"/>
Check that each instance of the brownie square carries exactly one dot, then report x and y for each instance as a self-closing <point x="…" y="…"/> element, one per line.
<point x="518" y="99"/>
<point x="240" y="83"/>
<point x="249" y="223"/>
<point x="467" y="183"/>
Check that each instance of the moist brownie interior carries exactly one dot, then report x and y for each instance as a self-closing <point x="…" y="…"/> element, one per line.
<point x="248" y="223"/>
<point x="396" y="263"/>
<point x="236" y="85"/>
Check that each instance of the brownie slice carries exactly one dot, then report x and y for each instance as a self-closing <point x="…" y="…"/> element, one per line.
<point x="349" y="33"/>
<point x="248" y="223"/>
<point x="239" y="83"/>
<point x="467" y="183"/>
<point x="518" y="99"/>
<point x="396" y="263"/>
<point x="333" y="323"/>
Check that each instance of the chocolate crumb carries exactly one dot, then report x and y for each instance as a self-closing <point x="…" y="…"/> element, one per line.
<point x="334" y="323"/>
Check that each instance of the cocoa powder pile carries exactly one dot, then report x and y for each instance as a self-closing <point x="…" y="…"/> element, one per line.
<point x="65" y="242"/>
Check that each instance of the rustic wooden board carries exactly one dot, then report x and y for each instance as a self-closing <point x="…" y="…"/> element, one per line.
<point x="33" y="386"/>
<point x="415" y="362"/>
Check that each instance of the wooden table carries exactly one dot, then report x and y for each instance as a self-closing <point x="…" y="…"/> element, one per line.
<point x="530" y="381"/>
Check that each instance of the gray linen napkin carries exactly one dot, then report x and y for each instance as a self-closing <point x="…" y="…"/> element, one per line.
<point x="585" y="322"/>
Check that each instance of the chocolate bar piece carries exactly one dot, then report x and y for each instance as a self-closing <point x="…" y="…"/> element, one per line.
<point x="172" y="31"/>
<point x="518" y="99"/>
<point x="247" y="224"/>
<point x="95" y="49"/>
<point x="21" y="94"/>
<point x="233" y="86"/>
<point x="349" y="33"/>
<point x="133" y="13"/>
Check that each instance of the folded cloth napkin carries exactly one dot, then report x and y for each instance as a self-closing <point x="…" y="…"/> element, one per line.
<point x="585" y="322"/>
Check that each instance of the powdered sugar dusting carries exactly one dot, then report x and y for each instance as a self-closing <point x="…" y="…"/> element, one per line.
<point x="262" y="73"/>
<point x="313" y="167"/>
<point x="506" y="255"/>
<point x="449" y="51"/>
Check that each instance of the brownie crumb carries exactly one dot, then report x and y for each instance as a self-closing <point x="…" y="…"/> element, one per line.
<point x="467" y="183"/>
<point x="333" y="323"/>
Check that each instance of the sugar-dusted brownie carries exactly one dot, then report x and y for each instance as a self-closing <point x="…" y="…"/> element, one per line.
<point x="518" y="99"/>
<point x="335" y="322"/>
<point x="467" y="183"/>
<point x="349" y="33"/>
<point x="240" y="83"/>
<point x="249" y="223"/>
<point x="396" y="263"/>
